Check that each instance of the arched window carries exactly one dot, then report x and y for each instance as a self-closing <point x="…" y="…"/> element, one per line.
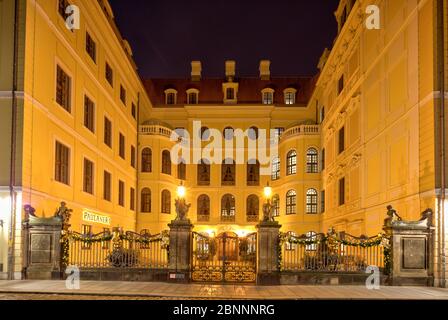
<point x="228" y="172"/>
<point x="253" y="173"/>
<point x="203" y="208"/>
<point x="145" y="200"/>
<point x="275" y="168"/>
<point x="204" y="133"/>
<point x="203" y="174"/>
<point x="181" y="169"/>
<point x="291" y="202"/>
<point x="146" y="160"/>
<point x="192" y="96"/>
<point x="267" y="96"/>
<point x="166" y="201"/>
<point x="311" y="236"/>
<point x="252" y="133"/>
<point x="311" y="161"/>
<point x="171" y="96"/>
<point x="228" y="208"/>
<point x="276" y="204"/>
<point x="311" y="201"/>
<point x="228" y="133"/>
<point x="166" y="162"/>
<point x="291" y="162"/>
<point x="252" y="208"/>
<point x="290" y="95"/>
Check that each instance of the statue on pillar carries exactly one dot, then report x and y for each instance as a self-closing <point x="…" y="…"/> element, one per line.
<point x="392" y="215"/>
<point x="64" y="213"/>
<point x="182" y="208"/>
<point x="268" y="208"/>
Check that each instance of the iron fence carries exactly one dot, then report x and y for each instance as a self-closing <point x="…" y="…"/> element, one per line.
<point x="118" y="250"/>
<point x="331" y="252"/>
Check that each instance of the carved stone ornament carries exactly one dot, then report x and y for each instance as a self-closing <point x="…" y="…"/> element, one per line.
<point x="64" y="213"/>
<point x="181" y="209"/>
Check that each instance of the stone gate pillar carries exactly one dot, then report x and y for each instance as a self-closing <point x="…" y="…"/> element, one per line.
<point x="41" y="246"/>
<point x="410" y="249"/>
<point x="180" y="250"/>
<point x="268" y="249"/>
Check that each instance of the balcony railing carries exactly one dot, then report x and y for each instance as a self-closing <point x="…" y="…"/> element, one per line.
<point x="298" y="130"/>
<point x="154" y="129"/>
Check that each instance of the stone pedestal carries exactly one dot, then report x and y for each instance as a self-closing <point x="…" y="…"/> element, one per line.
<point x="42" y="248"/>
<point x="411" y="251"/>
<point x="180" y="250"/>
<point x="268" y="251"/>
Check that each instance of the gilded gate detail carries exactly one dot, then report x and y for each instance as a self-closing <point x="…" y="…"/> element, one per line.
<point x="224" y="258"/>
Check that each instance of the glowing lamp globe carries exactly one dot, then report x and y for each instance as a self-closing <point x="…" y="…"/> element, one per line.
<point x="267" y="192"/>
<point x="181" y="191"/>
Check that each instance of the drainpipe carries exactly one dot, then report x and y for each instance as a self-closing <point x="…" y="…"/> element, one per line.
<point x="137" y="159"/>
<point x="12" y="172"/>
<point x="441" y="75"/>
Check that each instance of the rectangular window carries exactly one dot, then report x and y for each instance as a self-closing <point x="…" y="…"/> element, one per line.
<point x="230" y="93"/>
<point x="109" y="73"/>
<point x="89" y="114"/>
<point x="132" y="199"/>
<point x="341" y="84"/>
<point x="88" y="176"/>
<point x="132" y="156"/>
<point x="62" y="163"/>
<point x="134" y="111"/>
<point x="107" y="132"/>
<point x="121" y="193"/>
<point x="322" y="201"/>
<point x="107" y="186"/>
<point x="341" y="140"/>
<point x="90" y="47"/>
<point x="121" y="150"/>
<point x="123" y="94"/>
<point x="341" y="191"/>
<point x="63" y="89"/>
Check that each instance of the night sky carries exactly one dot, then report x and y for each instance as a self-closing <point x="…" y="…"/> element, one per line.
<point x="165" y="35"/>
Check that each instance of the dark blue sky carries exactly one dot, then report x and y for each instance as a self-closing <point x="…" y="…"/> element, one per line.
<point x="166" y="35"/>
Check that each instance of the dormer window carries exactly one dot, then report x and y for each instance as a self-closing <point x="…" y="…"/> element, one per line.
<point x="267" y="96"/>
<point x="290" y="95"/>
<point x="192" y="96"/>
<point x="170" y="96"/>
<point x="230" y="91"/>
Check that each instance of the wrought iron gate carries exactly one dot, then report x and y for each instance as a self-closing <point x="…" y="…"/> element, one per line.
<point x="224" y="258"/>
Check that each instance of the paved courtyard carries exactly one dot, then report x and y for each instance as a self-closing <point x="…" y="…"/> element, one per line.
<point x="37" y="289"/>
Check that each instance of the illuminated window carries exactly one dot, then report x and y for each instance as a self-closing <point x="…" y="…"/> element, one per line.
<point x="311" y="201"/>
<point x="267" y="96"/>
<point x="203" y="205"/>
<point x="228" y="169"/>
<point x="291" y="162"/>
<point x="253" y="173"/>
<point x="311" y="236"/>
<point x="275" y="171"/>
<point x="311" y="161"/>
<point x="203" y="173"/>
<point x="228" y="208"/>
<point x="252" y="208"/>
<point x="290" y="95"/>
<point x="291" y="199"/>
<point x="276" y="204"/>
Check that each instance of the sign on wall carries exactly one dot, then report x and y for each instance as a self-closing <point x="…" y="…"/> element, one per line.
<point x="96" y="218"/>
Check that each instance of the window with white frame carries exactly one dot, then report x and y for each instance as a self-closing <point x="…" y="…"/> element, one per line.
<point x="290" y="95"/>
<point x="170" y="96"/>
<point x="192" y="96"/>
<point x="311" y="201"/>
<point x="267" y="96"/>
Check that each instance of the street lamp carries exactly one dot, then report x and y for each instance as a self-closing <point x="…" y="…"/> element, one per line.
<point x="180" y="203"/>
<point x="267" y="207"/>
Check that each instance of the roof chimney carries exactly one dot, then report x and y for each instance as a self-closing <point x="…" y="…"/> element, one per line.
<point x="230" y="70"/>
<point x="265" y="73"/>
<point x="196" y="69"/>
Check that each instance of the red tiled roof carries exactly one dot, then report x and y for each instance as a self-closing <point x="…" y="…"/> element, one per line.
<point x="249" y="89"/>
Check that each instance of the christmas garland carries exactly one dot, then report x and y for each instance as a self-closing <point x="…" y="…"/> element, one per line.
<point x="381" y="238"/>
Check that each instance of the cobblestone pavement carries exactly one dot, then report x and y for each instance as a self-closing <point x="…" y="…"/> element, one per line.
<point x="161" y="290"/>
<point x="44" y="296"/>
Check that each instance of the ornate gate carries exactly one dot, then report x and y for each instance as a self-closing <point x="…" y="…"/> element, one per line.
<point x="224" y="258"/>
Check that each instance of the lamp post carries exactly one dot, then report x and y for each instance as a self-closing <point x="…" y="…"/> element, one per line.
<point x="267" y="206"/>
<point x="181" y="205"/>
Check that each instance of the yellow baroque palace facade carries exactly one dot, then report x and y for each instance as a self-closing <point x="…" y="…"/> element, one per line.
<point x="78" y="125"/>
